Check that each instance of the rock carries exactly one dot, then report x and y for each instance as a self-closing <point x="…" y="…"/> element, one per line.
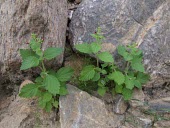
<point x="138" y="119"/>
<point x="78" y="109"/>
<point x="24" y="113"/>
<point x="167" y="99"/>
<point x="78" y="1"/>
<point x="160" y="105"/>
<point x="126" y="21"/>
<point x="137" y="98"/>
<point x="162" y="124"/>
<point x="20" y="18"/>
<point x="120" y="106"/>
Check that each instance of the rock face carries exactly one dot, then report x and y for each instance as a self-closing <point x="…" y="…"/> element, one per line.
<point x="20" y="18"/>
<point x="145" y="22"/>
<point x="24" y="113"/>
<point x="80" y="110"/>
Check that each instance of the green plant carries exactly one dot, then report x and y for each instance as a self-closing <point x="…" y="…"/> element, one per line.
<point x="50" y="84"/>
<point x="107" y="74"/>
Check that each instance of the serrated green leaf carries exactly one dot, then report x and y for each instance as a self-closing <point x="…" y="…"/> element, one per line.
<point x="138" y="67"/>
<point x="29" y="62"/>
<point x="96" y="76"/>
<point x="51" y="53"/>
<point x="121" y="50"/>
<point x="136" y="59"/>
<point x="118" y="88"/>
<point x="142" y="77"/>
<point x="64" y="74"/>
<point x="41" y="104"/>
<point x="52" y="84"/>
<point x="56" y="104"/>
<point x="104" y="72"/>
<point x="26" y="53"/>
<point x="101" y="91"/>
<point x="39" y="52"/>
<point x="101" y="83"/>
<point x="127" y="93"/>
<point x="48" y="107"/>
<point x="51" y="72"/>
<point x="29" y="90"/>
<point x="138" y="84"/>
<point x="129" y="82"/>
<point x="47" y="97"/>
<point x="34" y="45"/>
<point x="117" y="76"/>
<point x="105" y="56"/>
<point x="95" y="47"/>
<point x="128" y="57"/>
<point x="63" y="90"/>
<point x="104" y="65"/>
<point x="39" y="80"/>
<point x="97" y="36"/>
<point x="84" y="48"/>
<point x="136" y="51"/>
<point x="87" y="73"/>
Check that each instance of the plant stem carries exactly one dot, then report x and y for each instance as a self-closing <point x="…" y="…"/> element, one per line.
<point x="127" y="67"/>
<point x="97" y="62"/>
<point x="44" y="69"/>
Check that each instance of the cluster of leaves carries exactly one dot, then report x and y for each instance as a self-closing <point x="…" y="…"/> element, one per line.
<point x="107" y="74"/>
<point x="50" y="84"/>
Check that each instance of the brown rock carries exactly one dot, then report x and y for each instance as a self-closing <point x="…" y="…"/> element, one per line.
<point x="78" y="109"/>
<point x="137" y="98"/>
<point x="162" y="124"/>
<point x="24" y="113"/>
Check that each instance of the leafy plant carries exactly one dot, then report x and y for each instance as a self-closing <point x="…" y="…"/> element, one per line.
<point x="107" y="74"/>
<point x="50" y="84"/>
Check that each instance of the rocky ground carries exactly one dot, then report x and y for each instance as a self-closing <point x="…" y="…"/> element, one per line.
<point x="121" y="21"/>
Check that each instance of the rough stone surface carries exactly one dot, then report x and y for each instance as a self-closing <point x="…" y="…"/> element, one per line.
<point x="138" y="119"/>
<point x="120" y="106"/>
<point x="137" y="98"/>
<point x="20" y="18"/>
<point x="80" y="110"/>
<point x="162" y="124"/>
<point x="160" y="105"/>
<point x="24" y="113"/>
<point x="145" y="22"/>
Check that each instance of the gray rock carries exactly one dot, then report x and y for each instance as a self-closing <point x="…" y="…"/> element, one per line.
<point x="160" y="105"/>
<point x="120" y="106"/>
<point x="20" y="18"/>
<point x="139" y="120"/>
<point x="126" y="21"/>
<point x="78" y="109"/>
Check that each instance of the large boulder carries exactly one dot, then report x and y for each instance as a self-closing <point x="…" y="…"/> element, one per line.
<point x="78" y="109"/>
<point x="145" y="22"/>
<point x="20" y="18"/>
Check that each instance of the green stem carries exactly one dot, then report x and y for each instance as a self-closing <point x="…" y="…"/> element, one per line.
<point x="127" y="68"/>
<point x="97" y="62"/>
<point x="43" y="67"/>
